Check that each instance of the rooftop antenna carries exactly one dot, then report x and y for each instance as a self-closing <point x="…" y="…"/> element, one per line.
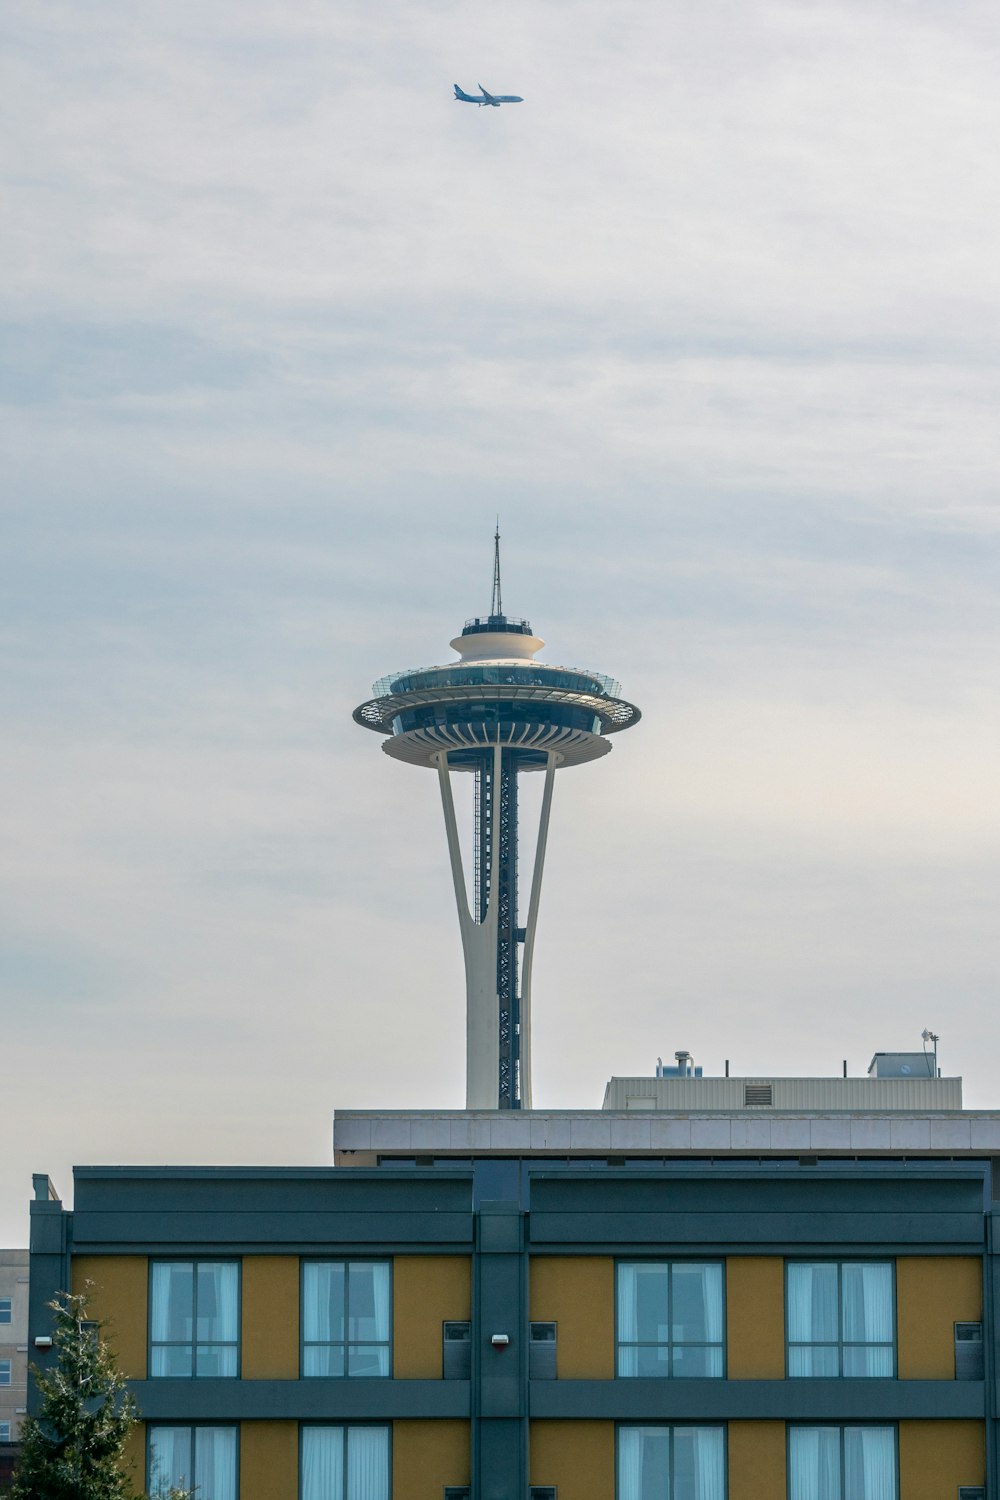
<point x="929" y="1036"/>
<point x="496" y="606"/>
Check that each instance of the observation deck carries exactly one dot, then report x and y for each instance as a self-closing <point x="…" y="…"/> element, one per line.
<point x="496" y="694"/>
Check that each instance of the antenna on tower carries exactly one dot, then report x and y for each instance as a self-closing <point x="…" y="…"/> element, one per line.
<point x="496" y="606"/>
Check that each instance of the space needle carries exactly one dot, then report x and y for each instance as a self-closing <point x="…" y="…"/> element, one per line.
<point x="496" y="712"/>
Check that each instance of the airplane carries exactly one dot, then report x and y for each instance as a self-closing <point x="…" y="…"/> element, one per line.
<point x="493" y="99"/>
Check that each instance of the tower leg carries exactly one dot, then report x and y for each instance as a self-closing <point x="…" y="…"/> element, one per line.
<point x="530" y="926"/>
<point x="479" y="947"/>
<point x="498" y="988"/>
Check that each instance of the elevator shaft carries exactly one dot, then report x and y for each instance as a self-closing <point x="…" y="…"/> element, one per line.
<point x="496" y="825"/>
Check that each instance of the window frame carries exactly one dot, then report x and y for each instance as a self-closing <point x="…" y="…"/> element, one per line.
<point x="5" y="1431"/>
<point x="840" y="1427"/>
<point x="6" y="1307"/>
<point x="346" y="1261"/>
<point x="345" y="1426"/>
<point x="194" y="1262"/>
<point x="192" y="1427"/>
<point x="842" y="1343"/>
<point x="681" y="1260"/>
<point x="6" y="1373"/>
<point x="669" y="1427"/>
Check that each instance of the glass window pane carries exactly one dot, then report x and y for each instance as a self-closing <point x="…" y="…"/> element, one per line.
<point x="368" y="1301"/>
<point x="812" y="1303"/>
<point x="322" y="1463"/>
<point x="648" y="1361"/>
<point x="694" y="1361"/>
<point x="697" y="1303"/>
<point x="169" y="1459"/>
<point x="216" y="1359"/>
<point x="323" y="1359"/>
<point x="699" y="1464"/>
<point x="869" y="1463"/>
<point x="323" y="1301"/>
<point x="172" y="1297"/>
<point x="215" y="1462"/>
<point x="651" y="1304"/>
<point x="866" y="1293"/>
<point x="819" y="1360"/>
<point x="368" y="1359"/>
<point x="218" y="1299"/>
<point x="368" y="1463"/>
<point x="871" y="1360"/>
<point x="643" y="1463"/>
<point x="814" y="1463"/>
<point x="170" y="1359"/>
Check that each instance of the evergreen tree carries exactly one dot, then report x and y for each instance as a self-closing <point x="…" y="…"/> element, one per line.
<point x="75" y="1448"/>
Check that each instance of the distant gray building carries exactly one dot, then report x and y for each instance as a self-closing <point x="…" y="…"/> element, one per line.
<point x="13" y="1351"/>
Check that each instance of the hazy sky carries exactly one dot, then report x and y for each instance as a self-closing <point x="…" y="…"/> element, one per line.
<point x="712" y="321"/>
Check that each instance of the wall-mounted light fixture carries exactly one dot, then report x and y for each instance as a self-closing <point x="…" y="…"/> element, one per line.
<point x="43" y="1341"/>
<point x="500" y="1340"/>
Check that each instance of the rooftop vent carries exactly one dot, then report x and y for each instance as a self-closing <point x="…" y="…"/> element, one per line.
<point x="756" y="1094"/>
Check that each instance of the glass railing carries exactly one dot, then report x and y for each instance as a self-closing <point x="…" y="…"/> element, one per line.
<point x="479" y="674"/>
<point x="496" y="625"/>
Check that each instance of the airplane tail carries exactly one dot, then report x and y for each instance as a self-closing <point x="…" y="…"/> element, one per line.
<point x="460" y="94"/>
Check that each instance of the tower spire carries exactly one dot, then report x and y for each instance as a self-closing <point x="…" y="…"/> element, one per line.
<point x="496" y="605"/>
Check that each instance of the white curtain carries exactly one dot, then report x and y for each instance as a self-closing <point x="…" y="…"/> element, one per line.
<point x="323" y="1317"/>
<point x="322" y="1463"/>
<point x="866" y="1293"/>
<point x="813" y="1318"/>
<point x="697" y="1302"/>
<point x="629" y="1459"/>
<point x="368" y="1463"/>
<point x="218" y="1302"/>
<point x="380" y="1283"/>
<point x="814" y="1463"/>
<point x="172" y="1297"/>
<point x="709" y="1464"/>
<point x="169" y="1459"/>
<point x="644" y="1463"/>
<point x="869" y="1463"/>
<point x="628" y="1325"/>
<point x="215" y="1463"/>
<point x="369" y="1316"/>
<point x="323" y="1301"/>
<point x="368" y="1293"/>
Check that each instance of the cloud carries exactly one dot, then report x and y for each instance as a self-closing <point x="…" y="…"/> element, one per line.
<point x="710" y="320"/>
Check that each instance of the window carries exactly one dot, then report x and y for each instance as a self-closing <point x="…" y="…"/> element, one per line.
<point x="346" y="1313"/>
<point x="4" y="1432"/>
<point x="456" y="1351"/>
<point x="4" y="1372"/>
<point x="199" y="1458"/>
<point x="194" y="1318"/>
<point x="671" y="1463"/>
<point x="840" y="1318"/>
<point x="670" y="1318"/>
<point x="6" y="1310"/>
<point x="842" y="1463"/>
<point x="344" y="1463"/>
<point x="542" y="1351"/>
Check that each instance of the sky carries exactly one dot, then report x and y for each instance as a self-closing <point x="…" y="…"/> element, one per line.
<point x="711" y="322"/>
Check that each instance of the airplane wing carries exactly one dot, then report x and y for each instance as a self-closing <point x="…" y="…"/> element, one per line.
<point x="485" y="94"/>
